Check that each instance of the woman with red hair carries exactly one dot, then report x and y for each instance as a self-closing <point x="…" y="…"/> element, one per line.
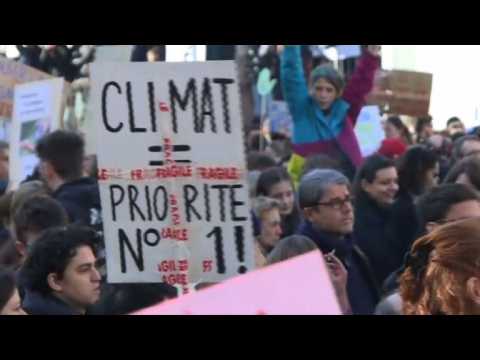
<point x="443" y="272"/>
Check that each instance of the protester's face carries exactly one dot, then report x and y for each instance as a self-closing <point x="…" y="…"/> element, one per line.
<point x="47" y="173"/>
<point x="455" y="128"/>
<point x="271" y="228"/>
<point x="436" y="141"/>
<point x="283" y="192"/>
<point x="13" y="306"/>
<point x="334" y="213"/>
<point x="431" y="177"/>
<point x="471" y="148"/>
<point x="152" y="56"/>
<point x="4" y="164"/>
<point x="80" y="284"/>
<point x="384" y="187"/>
<point x="427" y="130"/>
<point x="391" y="132"/>
<point x="324" y="93"/>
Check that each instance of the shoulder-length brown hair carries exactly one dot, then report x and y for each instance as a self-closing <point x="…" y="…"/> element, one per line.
<point x="439" y="266"/>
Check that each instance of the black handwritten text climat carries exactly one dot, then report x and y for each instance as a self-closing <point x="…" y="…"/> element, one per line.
<point x="178" y="104"/>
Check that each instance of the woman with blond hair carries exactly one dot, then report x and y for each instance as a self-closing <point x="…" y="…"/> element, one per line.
<point x="443" y="272"/>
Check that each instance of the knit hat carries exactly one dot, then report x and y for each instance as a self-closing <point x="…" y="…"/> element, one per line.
<point x="392" y="148"/>
<point x="328" y="73"/>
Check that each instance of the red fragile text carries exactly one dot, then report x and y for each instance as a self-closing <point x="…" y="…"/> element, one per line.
<point x="218" y="173"/>
<point x="106" y="174"/>
<point x="207" y="266"/>
<point x="173" y="171"/>
<point x="175" y="279"/>
<point x="174" y="234"/>
<point x="167" y="143"/>
<point x="175" y="210"/>
<point x="172" y="265"/>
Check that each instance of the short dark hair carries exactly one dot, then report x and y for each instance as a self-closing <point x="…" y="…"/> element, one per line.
<point x="52" y="253"/>
<point x="270" y="178"/>
<point x="469" y="166"/>
<point x="412" y="168"/>
<point x="399" y="125"/>
<point x="7" y="286"/>
<point x="369" y="170"/>
<point x="259" y="160"/>
<point x="64" y="150"/>
<point x="453" y="120"/>
<point x="435" y="205"/>
<point x="37" y="214"/>
<point x="422" y="122"/>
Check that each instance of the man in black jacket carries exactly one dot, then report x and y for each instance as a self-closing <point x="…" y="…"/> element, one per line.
<point x="324" y="197"/>
<point x="61" y="156"/>
<point x="60" y="275"/>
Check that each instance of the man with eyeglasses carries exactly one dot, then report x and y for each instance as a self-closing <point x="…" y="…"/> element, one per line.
<point x="324" y="197"/>
<point x="443" y="205"/>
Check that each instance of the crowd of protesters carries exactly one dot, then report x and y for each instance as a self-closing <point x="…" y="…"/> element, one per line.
<point x="399" y="229"/>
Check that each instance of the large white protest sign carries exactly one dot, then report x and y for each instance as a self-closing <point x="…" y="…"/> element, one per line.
<point x="172" y="172"/>
<point x="369" y="130"/>
<point x="36" y="111"/>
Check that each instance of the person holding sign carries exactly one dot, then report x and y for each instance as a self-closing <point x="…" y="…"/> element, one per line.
<point x="324" y="112"/>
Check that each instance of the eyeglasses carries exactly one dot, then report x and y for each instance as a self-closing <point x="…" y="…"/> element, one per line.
<point x="338" y="204"/>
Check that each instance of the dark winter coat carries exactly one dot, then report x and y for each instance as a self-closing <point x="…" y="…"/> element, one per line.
<point x="363" y="291"/>
<point x="373" y="234"/>
<point x="81" y="200"/>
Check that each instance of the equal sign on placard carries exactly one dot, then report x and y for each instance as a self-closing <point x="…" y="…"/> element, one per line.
<point x="176" y="148"/>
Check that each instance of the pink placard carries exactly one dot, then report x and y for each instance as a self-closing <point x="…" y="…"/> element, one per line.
<point x="300" y="286"/>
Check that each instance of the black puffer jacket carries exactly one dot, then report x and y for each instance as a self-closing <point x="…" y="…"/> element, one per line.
<point x="81" y="200"/>
<point x="405" y="226"/>
<point x="373" y="233"/>
<point x="37" y="304"/>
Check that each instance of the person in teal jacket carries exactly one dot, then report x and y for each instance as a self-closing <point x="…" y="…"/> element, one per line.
<point x="324" y="111"/>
